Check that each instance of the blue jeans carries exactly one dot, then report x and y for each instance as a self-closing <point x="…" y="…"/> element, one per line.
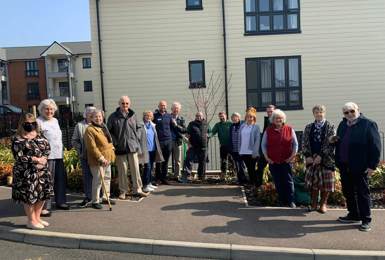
<point x="147" y="173"/>
<point x="283" y="181"/>
<point x="87" y="179"/>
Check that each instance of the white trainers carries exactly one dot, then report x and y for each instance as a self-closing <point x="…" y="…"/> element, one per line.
<point x="148" y="189"/>
<point x="152" y="186"/>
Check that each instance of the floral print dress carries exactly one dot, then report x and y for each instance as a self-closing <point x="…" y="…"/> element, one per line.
<point x="30" y="184"/>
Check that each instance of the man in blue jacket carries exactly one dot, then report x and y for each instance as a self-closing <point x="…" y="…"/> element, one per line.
<point x="358" y="151"/>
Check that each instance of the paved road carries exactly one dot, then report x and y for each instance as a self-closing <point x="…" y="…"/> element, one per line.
<point x="21" y="251"/>
<point x="214" y="214"/>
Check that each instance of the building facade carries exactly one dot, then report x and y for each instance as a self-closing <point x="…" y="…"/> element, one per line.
<point x="61" y="71"/>
<point x="291" y="53"/>
<point x="3" y="77"/>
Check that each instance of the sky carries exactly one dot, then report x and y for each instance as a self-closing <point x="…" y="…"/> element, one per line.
<point x="40" y="22"/>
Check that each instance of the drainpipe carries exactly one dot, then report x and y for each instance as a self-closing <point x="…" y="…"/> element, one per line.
<point x="100" y="55"/>
<point x="225" y="56"/>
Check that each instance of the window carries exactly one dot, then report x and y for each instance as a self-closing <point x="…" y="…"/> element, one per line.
<point x="197" y="74"/>
<point x="88" y="105"/>
<point x="271" y="16"/>
<point x="33" y="91"/>
<point x="87" y="85"/>
<point x="62" y="65"/>
<point x="86" y="63"/>
<point x="275" y="80"/>
<point x="31" y="69"/>
<point x="194" y="5"/>
<point x="64" y="89"/>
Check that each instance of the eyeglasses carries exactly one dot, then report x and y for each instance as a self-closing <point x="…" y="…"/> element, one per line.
<point x="350" y="111"/>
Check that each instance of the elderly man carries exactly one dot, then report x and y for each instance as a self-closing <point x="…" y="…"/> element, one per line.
<point x="77" y="142"/>
<point x="122" y="125"/>
<point x="164" y="125"/>
<point x="358" y="151"/>
<point x="197" y="132"/>
<point x="177" y="137"/>
<point x="261" y="164"/>
<point x="222" y="128"/>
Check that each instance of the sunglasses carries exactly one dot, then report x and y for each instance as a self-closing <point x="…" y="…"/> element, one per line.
<point x="350" y="111"/>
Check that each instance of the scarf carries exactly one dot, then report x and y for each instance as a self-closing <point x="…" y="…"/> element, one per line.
<point x="317" y="133"/>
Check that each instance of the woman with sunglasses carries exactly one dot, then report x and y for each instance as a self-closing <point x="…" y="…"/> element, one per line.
<point x="358" y="151"/>
<point x="32" y="183"/>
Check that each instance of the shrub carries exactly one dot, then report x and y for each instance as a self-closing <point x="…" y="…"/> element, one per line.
<point x="73" y="169"/>
<point x="377" y="180"/>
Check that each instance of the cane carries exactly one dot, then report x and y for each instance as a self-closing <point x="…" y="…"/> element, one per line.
<point x="104" y="187"/>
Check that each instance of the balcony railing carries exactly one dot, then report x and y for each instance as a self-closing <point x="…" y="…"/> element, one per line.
<point x="32" y="73"/>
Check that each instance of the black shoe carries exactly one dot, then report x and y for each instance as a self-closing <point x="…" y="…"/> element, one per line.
<point x="112" y="202"/>
<point x="85" y="203"/>
<point x="348" y="219"/>
<point x="97" y="206"/>
<point x="365" y="227"/>
<point x="164" y="182"/>
<point x="46" y="215"/>
<point x="63" y="206"/>
<point x="154" y="183"/>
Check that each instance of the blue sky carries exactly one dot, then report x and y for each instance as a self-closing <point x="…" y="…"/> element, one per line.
<point x="40" y="22"/>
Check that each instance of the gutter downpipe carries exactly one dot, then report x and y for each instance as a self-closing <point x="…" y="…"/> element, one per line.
<point x="100" y="55"/>
<point x="225" y="56"/>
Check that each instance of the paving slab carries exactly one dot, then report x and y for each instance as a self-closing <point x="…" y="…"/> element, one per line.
<point x="207" y="214"/>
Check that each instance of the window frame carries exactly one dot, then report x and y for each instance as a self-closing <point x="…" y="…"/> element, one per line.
<point x="84" y="64"/>
<point x="84" y="86"/>
<point x="271" y="13"/>
<point x="194" y="8"/>
<point x="68" y="88"/>
<point x="31" y="72"/>
<point x="197" y="85"/>
<point x="259" y="90"/>
<point x="62" y="69"/>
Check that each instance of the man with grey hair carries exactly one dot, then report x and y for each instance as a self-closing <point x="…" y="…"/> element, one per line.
<point x="123" y="127"/>
<point x="197" y="132"/>
<point x="358" y="151"/>
<point x="177" y="137"/>
<point x="77" y="142"/>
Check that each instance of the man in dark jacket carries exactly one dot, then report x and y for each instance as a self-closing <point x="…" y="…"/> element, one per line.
<point x="122" y="125"/>
<point x="358" y="151"/>
<point x="164" y="125"/>
<point x="261" y="164"/>
<point x="197" y="131"/>
<point x="179" y="128"/>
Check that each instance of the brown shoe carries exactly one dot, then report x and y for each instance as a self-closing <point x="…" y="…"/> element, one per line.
<point x="142" y="194"/>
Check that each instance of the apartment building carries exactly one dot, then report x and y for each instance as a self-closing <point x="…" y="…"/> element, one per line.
<point x="292" y="53"/>
<point x="3" y="78"/>
<point x="61" y="71"/>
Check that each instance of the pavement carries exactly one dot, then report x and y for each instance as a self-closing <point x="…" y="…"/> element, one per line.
<point x="200" y="221"/>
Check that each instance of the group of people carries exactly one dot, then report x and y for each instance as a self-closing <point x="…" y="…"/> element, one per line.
<point x="136" y="146"/>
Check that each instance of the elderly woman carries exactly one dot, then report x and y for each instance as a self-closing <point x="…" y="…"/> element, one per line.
<point x="234" y="138"/>
<point x="151" y="152"/>
<point x="319" y="154"/>
<point x="248" y="143"/>
<point x="358" y="150"/>
<point x="77" y="142"/>
<point x="31" y="179"/>
<point x="100" y="155"/>
<point x="280" y="145"/>
<point x="51" y="130"/>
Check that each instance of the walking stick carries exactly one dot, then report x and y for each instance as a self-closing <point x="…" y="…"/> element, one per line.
<point x="104" y="187"/>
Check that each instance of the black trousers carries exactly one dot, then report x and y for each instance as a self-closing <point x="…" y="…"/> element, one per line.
<point x="355" y="187"/>
<point x="283" y="181"/>
<point x="224" y="150"/>
<point x="250" y="163"/>
<point x="161" y="169"/>
<point x="192" y="156"/>
<point x="240" y="167"/>
<point x="261" y="164"/>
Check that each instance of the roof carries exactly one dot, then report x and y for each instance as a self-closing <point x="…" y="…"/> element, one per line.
<point x="34" y="52"/>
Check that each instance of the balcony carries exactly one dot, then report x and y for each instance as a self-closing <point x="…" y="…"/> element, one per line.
<point x="61" y="99"/>
<point x="59" y="74"/>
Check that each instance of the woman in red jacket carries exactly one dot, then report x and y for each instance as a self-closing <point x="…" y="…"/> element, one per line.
<point x="280" y="145"/>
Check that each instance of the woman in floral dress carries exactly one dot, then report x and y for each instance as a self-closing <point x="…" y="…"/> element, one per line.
<point x="32" y="184"/>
